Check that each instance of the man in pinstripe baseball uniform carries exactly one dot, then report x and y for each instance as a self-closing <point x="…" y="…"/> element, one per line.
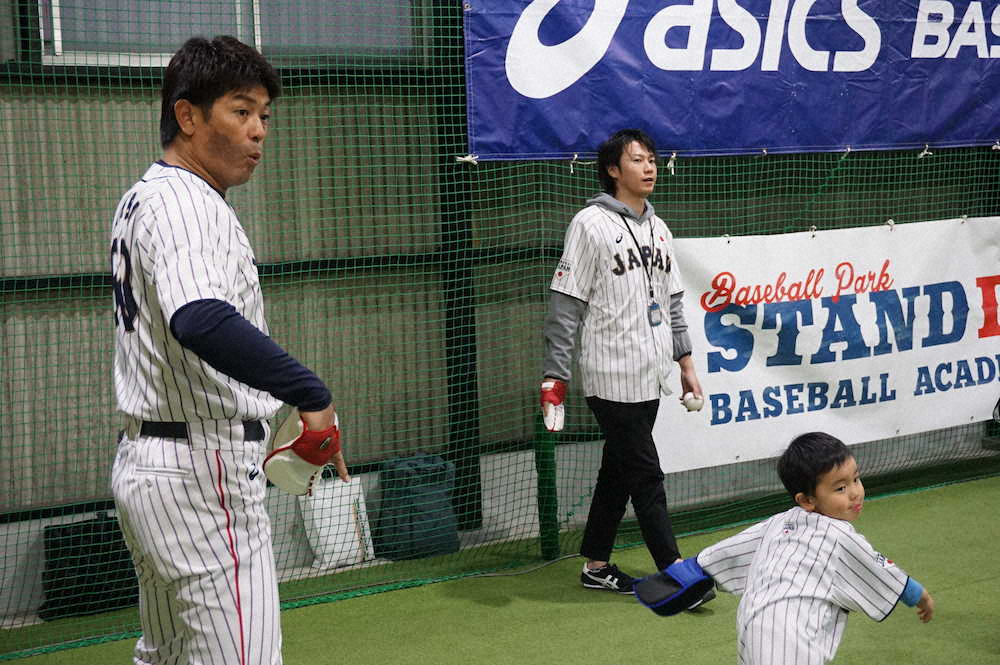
<point x="196" y="374"/>
<point x="619" y="284"/>
<point x="800" y="572"/>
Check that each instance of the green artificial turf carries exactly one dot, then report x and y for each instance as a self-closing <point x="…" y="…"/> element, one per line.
<point x="945" y="537"/>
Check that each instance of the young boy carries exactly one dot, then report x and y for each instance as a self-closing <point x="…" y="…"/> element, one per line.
<point x="800" y="572"/>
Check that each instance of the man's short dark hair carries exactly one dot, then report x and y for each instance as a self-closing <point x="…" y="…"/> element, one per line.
<point x="807" y="458"/>
<point x="202" y="71"/>
<point x="610" y="154"/>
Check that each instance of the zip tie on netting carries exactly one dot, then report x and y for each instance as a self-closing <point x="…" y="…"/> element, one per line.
<point x="726" y="236"/>
<point x="672" y="163"/>
<point x="576" y="160"/>
<point x="812" y="231"/>
<point x="891" y="223"/>
<point x="469" y="159"/>
<point x="925" y="152"/>
<point x="846" y="153"/>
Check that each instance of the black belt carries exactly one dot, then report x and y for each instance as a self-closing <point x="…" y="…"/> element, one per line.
<point x="253" y="430"/>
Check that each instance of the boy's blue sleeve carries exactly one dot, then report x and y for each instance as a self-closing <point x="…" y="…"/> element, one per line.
<point x="912" y="593"/>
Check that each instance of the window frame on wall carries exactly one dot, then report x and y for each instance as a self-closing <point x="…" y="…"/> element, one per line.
<point x="249" y="22"/>
<point x="55" y="52"/>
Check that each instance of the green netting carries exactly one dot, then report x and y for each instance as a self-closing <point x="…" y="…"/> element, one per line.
<point x="414" y="283"/>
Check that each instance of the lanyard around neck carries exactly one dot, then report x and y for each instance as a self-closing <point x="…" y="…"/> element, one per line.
<point x="647" y="266"/>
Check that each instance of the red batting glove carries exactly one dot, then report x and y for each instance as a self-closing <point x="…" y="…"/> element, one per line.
<point x="553" y="409"/>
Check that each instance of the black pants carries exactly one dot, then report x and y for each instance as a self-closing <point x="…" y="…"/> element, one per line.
<point x="630" y="468"/>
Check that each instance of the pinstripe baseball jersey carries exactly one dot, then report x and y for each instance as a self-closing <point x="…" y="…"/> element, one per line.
<point x="191" y="509"/>
<point x="799" y="573"/>
<point x="610" y="261"/>
<point x="176" y="240"/>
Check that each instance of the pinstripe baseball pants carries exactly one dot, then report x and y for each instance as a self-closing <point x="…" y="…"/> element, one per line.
<point x="630" y="468"/>
<point x="200" y="537"/>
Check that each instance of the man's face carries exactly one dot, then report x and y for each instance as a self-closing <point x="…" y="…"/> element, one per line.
<point x="839" y="493"/>
<point x="635" y="174"/>
<point x="228" y="142"/>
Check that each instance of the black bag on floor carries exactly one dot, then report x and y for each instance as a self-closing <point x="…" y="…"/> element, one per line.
<point x="87" y="569"/>
<point x="416" y="518"/>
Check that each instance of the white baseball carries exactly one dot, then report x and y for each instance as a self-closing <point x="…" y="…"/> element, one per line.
<point x="692" y="402"/>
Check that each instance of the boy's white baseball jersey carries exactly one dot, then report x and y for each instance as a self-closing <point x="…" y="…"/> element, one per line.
<point x="799" y="574"/>
<point x="192" y="510"/>
<point x="607" y="262"/>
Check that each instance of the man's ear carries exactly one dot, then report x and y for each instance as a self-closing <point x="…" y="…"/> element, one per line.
<point x="614" y="172"/>
<point x="184" y="112"/>
<point x="805" y="502"/>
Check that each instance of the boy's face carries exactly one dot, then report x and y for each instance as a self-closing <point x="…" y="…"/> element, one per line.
<point x="839" y="493"/>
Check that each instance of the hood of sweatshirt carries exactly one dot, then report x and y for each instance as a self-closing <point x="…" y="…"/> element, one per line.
<point x="612" y="204"/>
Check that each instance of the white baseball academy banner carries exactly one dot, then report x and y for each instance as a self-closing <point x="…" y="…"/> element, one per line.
<point x="864" y="333"/>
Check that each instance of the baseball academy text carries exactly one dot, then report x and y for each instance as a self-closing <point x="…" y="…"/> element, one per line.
<point x="739" y="316"/>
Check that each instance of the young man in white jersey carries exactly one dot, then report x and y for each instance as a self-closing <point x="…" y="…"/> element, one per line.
<point x="619" y="283"/>
<point x="800" y="572"/>
<point x="196" y="374"/>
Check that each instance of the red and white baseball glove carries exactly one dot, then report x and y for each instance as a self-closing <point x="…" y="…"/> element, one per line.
<point x="300" y="454"/>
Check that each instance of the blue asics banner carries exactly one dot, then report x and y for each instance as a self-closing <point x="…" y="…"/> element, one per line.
<point x="550" y="78"/>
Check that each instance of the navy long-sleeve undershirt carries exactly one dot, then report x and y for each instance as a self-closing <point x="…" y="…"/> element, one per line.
<point x="215" y="332"/>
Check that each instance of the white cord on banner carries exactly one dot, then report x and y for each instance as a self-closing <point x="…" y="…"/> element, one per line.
<point x="764" y="152"/>
<point x="672" y="163"/>
<point x="469" y="159"/>
<point x="926" y="152"/>
<point x="996" y="146"/>
<point x="846" y="153"/>
<point x="726" y="236"/>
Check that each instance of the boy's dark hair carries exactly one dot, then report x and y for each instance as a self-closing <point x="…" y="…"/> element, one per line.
<point x="610" y="154"/>
<point x="202" y="71"/>
<point x="807" y="458"/>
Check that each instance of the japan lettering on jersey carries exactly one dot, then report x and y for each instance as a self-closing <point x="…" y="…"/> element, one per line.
<point x="610" y="262"/>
